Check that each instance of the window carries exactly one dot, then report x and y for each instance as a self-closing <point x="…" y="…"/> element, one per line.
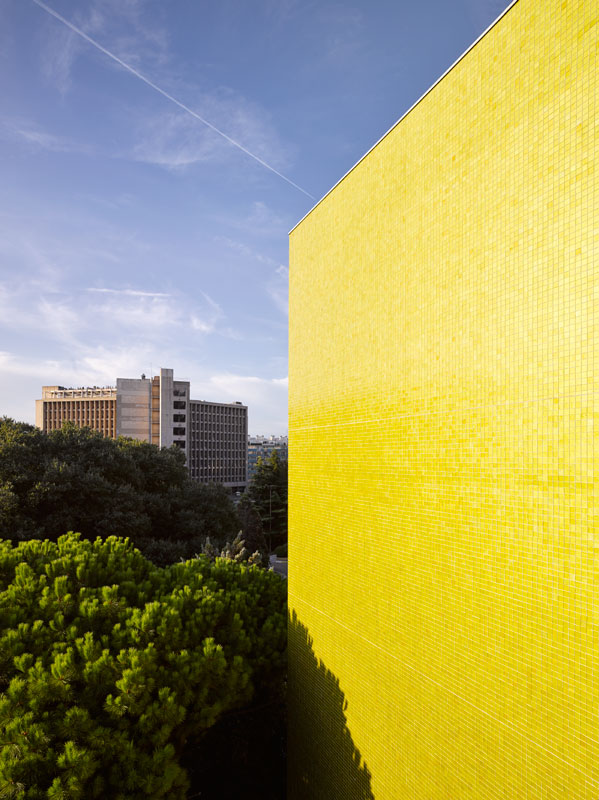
<point x="178" y="417"/>
<point x="178" y="431"/>
<point x="179" y="404"/>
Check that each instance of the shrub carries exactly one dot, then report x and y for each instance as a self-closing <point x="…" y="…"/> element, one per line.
<point x="281" y="551"/>
<point x="112" y="669"/>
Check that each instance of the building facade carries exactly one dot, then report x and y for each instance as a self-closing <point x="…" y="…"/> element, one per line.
<point x="92" y="407"/>
<point x="218" y="443"/>
<point x="262" y="447"/>
<point x="444" y="424"/>
<point x="158" y="410"/>
<point x="153" y="410"/>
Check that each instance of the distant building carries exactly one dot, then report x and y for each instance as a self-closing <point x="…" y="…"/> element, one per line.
<point x="158" y="410"/>
<point x="92" y="407"/>
<point x="262" y="447"/>
<point x="218" y="443"/>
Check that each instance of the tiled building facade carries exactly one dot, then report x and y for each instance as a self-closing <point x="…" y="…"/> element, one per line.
<point x="444" y="424"/>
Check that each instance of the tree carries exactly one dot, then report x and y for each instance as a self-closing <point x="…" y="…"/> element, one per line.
<point x="268" y="492"/>
<point x="252" y="531"/>
<point x="112" y="670"/>
<point x="74" y="479"/>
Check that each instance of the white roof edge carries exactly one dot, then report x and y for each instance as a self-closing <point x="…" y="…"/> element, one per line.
<point x="405" y="114"/>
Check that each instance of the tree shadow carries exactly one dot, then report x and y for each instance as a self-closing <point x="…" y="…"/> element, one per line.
<point x="243" y="756"/>
<point x="323" y="761"/>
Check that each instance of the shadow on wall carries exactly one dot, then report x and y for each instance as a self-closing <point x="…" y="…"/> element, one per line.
<point x="323" y="761"/>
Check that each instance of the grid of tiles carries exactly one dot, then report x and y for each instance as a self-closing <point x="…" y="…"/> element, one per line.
<point x="444" y="369"/>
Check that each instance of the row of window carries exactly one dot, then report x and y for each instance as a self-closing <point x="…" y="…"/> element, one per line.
<point x="222" y="463"/>
<point x="228" y="413"/>
<point x="224" y="455"/>
<point x="217" y="426"/>
<point x="79" y="417"/>
<point x="70" y="412"/>
<point x="228" y="477"/>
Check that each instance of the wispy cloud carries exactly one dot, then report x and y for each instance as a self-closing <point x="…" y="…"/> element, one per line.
<point x="265" y="397"/>
<point x="58" y="53"/>
<point x="175" y="140"/>
<point x="12" y="364"/>
<point x="127" y="66"/>
<point x="278" y="288"/>
<point x="124" y="21"/>
<point x="38" y="139"/>
<point x="97" y="333"/>
<point x="342" y="29"/>
<point x="277" y="285"/>
<point x="208" y="321"/>
<point x="52" y="249"/>
<point x="263" y="219"/>
<point x="245" y="250"/>
<point x="71" y="318"/>
<point x="280" y="12"/>
<point x="128" y="292"/>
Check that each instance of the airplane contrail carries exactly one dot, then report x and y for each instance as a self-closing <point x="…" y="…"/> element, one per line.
<point x="168" y="96"/>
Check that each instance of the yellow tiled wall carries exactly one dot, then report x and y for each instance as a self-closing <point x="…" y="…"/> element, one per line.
<point x="444" y="438"/>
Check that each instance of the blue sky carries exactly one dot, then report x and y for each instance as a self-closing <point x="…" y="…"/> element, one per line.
<point x="133" y="236"/>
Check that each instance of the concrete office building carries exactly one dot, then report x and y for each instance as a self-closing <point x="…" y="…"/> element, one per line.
<point x="444" y="425"/>
<point x="153" y="410"/>
<point x="218" y="443"/>
<point x="158" y="410"/>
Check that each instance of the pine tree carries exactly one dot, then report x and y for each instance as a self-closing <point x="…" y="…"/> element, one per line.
<point x="111" y="668"/>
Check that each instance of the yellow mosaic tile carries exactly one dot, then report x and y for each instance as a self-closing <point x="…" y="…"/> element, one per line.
<point x="444" y="370"/>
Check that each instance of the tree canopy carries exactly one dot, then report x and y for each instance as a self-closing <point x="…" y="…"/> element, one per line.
<point x="74" y="479"/>
<point x="268" y="493"/>
<point x="113" y="670"/>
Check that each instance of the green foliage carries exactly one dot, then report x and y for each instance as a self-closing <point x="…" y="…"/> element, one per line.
<point x="112" y="669"/>
<point x="162" y="552"/>
<point x="237" y="551"/>
<point x="74" y="479"/>
<point x="252" y="530"/>
<point x="268" y="493"/>
<point x="281" y="550"/>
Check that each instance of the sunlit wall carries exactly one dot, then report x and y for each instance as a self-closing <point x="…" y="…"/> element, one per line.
<point x="444" y="438"/>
